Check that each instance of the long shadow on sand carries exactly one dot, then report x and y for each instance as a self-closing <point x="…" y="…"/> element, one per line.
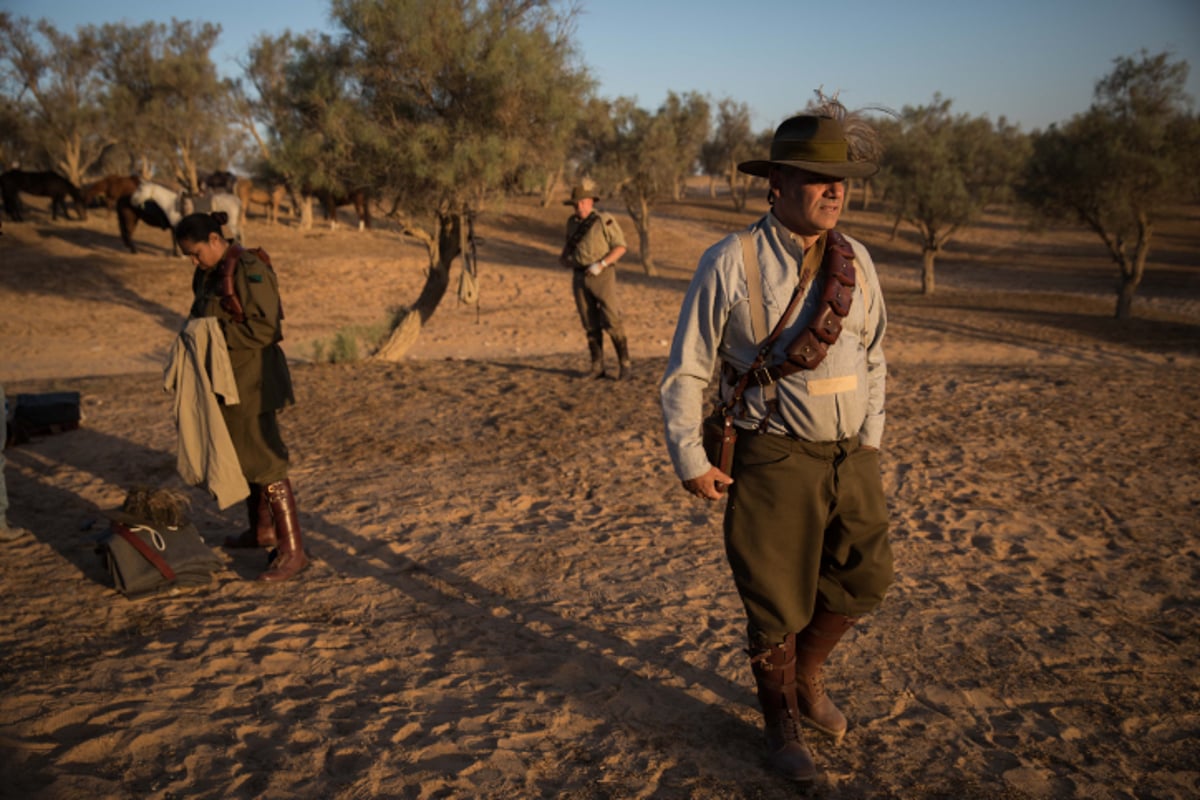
<point x="89" y="278"/>
<point x="440" y="589"/>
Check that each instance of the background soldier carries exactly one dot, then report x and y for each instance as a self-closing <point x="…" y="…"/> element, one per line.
<point x="594" y="243"/>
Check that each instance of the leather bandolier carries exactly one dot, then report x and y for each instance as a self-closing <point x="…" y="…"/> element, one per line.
<point x="811" y="345"/>
<point x="573" y="242"/>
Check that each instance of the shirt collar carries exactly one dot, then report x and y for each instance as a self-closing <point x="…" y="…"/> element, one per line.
<point x="795" y="246"/>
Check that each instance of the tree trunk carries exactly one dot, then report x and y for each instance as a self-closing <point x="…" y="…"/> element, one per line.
<point x="642" y="220"/>
<point x="738" y="197"/>
<point x="927" y="257"/>
<point x="442" y="253"/>
<point x="306" y="212"/>
<point x="549" y="187"/>
<point x="1125" y="299"/>
<point x="1133" y="270"/>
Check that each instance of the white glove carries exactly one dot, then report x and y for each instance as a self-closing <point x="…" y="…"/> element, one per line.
<point x="595" y="268"/>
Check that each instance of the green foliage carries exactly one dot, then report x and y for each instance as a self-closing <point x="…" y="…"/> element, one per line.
<point x="53" y="110"/>
<point x="457" y="99"/>
<point x="644" y="157"/>
<point x="733" y="141"/>
<point x="344" y="346"/>
<point x="164" y="89"/>
<point x="941" y="170"/>
<point x="1132" y="154"/>
<point x="1118" y="167"/>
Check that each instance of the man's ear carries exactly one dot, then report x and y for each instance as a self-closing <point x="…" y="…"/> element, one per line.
<point x="774" y="182"/>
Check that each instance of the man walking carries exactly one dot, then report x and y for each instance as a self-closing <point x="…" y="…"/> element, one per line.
<point x="594" y="244"/>
<point x="793" y="312"/>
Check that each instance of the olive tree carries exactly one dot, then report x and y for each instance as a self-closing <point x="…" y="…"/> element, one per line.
<point x="172" y="106"/>
<point x="453" y="100"/>
<point x="1120" y="165"/>
<point x="645" y="156"/>
<point x="941" y="170"/>
<point x="53" y="96"/>
<point x="309" y="104"/>
<point x="732" y="142"/>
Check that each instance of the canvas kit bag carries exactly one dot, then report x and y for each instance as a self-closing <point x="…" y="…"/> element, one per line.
<point x="806" y="351"/>
<point x="151" y="547"/>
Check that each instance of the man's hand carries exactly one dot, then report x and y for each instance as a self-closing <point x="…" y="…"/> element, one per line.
<point x="595" y="268"/>
<point x="711" y="485"/>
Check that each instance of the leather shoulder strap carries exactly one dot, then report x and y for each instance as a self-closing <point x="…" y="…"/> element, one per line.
<point x="146" y="550"/>
<point x="580" y="232"/>
<point x="229" y="299"/>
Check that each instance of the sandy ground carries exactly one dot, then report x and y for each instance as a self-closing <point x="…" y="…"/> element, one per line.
<point x="511" y="596"/>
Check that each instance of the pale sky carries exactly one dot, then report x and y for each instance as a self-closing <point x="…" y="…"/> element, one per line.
<point x="1033" y="62"/>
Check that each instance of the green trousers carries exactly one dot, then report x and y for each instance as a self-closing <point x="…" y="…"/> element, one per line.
<point x="260" y="449"/>
<point x="805" y="523"/>
<point x="596" y="302"/>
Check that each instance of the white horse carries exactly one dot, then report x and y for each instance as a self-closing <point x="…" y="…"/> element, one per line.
<point x="175" y="205"/>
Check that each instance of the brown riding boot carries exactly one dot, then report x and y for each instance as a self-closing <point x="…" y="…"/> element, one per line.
<point x="261" y="532"/>
<point x="775" y="674"/>
<point x="813" y="646"/>
<point x="289" y="557"/>
<point x="596" y="350"/>
<point x="624" y="365"/>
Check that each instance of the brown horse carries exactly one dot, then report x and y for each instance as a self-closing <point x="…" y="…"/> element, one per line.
<point x="110" y="189"/>
<point x="360" y="198"/>
<point x="43" y="184"/>
<point x="270" y="199"/>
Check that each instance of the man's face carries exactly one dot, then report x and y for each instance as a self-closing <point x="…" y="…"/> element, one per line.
<point x="583" y="207"/>
<point x="806" y="203"/>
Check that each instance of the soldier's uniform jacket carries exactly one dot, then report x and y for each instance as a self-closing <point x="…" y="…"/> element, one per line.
<point x="603" y="236"/>
<point x="260" y="367"/>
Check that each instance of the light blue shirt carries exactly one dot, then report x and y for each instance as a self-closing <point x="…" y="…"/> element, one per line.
<point x="841" y="398"/>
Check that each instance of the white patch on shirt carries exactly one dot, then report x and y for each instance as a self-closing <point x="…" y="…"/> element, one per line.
<point x="845" y="383"/>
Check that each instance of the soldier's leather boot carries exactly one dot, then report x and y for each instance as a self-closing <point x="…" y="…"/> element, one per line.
<point x="596" y="350"/>
<point x="288" y="558"/>
<point x="775" y="674"/>
<point x="261" y="532"/>
<point x="813" y="646"/>
<point x="624" y="364"/>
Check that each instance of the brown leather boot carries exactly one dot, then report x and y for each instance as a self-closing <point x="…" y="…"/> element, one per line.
<point x="813" y="646"/>
<point x="596" y="350"/>
<point x="289" y="557"/>
<point x="775" y="674"/>
<point x="261" y="532"/>
<point x="624" y="364"/>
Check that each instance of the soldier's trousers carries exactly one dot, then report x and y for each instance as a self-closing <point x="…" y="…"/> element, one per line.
<point x="806" y="522"/>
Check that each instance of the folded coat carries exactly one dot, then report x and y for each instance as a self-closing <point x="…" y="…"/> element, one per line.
<point x="197" y="371"/>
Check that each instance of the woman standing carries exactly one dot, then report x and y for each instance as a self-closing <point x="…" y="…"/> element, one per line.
<point x="239" y="288"/>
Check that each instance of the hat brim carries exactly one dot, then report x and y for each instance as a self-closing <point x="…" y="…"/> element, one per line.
<point x="844" y="169"/>
<point x="576" y="200"/>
